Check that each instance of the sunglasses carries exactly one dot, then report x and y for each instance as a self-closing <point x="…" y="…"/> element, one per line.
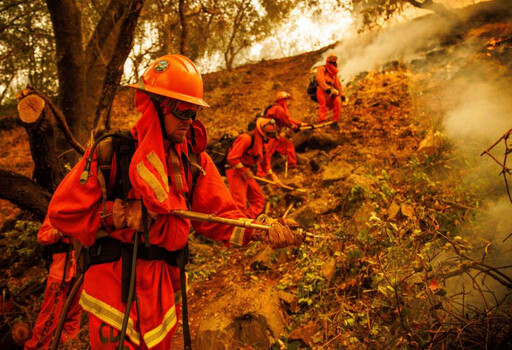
<point x="188" y="114"/>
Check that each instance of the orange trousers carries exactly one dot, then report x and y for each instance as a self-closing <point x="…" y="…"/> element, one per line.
<point x="243" y="191"/>
<point x="54" y="298"/>
<point x="326" y="102"/>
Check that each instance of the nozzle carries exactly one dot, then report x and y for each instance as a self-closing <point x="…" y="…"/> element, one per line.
<point x="84" y="177"/>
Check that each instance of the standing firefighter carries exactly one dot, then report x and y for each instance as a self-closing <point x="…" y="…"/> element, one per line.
<point x="279" y="112"/>
<point x="58" y="284"/>
<point x="160" y="178"/>
<point x="244" y="156"/>
<point x="328" y="92"/>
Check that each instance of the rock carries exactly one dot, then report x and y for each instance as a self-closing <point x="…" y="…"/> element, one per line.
<point x="263" y="259"/>
<point x="239" y="318"/>
<point x="305" y="333"/>
<point x="336" y="170"/>
<point x="429" y="146"/>
<point x="323" y="139"/>
<point x="305" y="216"/>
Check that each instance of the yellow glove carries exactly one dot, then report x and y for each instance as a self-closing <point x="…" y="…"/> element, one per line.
<point x="278" y="235"/>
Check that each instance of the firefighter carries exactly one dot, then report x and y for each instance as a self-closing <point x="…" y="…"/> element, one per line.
<point x="279" y="112"/>
<point x="169" y="145"/>
<point x="244" y="156"/>
<point x="58" y="284"/>
<point x="329" y="90"/>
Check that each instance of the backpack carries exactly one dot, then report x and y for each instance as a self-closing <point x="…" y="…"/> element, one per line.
<point x="252" y="124"/>
<point x="311" y="90"/>
<point x="219" y="150"/>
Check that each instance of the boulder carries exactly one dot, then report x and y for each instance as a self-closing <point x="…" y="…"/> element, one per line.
<point x="239" y="318"/>
<point x="336" y="170"/>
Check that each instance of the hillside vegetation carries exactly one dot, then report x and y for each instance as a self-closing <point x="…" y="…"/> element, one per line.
<point x="411" y="225"/>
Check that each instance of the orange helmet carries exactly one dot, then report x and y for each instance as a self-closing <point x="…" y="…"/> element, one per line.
<point x="331" y="58"/>
<point x="283" y="95"/>
<point x="173" y="76"/>
<point x="266" y="127"/>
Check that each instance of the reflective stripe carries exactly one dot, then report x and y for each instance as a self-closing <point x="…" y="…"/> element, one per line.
<point x="157" y="164"/>
<point x="156" y="335"/>
<point x="151" y="181"/>
<point x="140" y="84"/>
<point x="175" y="162"/>
<point x="237" y="236"/>
<point x="109" y="315"/>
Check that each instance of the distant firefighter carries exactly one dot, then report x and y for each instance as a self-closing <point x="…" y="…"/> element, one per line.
<point x="243" y="157"/>
<point x="329" y="90"/>
<point x="281" y="144"/>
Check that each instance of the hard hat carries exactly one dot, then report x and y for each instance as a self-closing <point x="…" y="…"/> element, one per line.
<point x="266" y="127"/>
<point x="282" y="95"/>
<point x="173" y="76"/>
<point x="331" y="58"/>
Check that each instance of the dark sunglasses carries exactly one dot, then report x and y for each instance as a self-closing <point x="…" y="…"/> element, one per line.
<point x="184" y="115"/>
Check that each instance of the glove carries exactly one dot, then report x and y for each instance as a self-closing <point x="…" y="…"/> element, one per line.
<point x="278" y="235"/>
<point x="335" y="92"/>
<point x="343" y="98"/>
<point x="328" y="91"/>
<point x="127" y="214"/>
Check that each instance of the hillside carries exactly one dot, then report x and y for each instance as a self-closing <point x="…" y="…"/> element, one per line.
<point x="411" y="224"/>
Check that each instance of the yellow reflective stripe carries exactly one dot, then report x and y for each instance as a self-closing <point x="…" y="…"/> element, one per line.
<point x="156" y="335"/>
<point x="151" y="181"/>
<point x="175" y="162"/>
<point x="109" y="314"/>
<point x="157" y="164"/>
<point x="237" y="236"/>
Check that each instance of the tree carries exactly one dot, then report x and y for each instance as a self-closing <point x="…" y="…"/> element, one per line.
<point x="376" y="11"/>
<point x="88" y="76"/>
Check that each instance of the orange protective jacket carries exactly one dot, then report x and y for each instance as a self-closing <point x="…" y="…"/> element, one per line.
<point x="279" y="111"/>
<point x="241" y="151"/>
<point x="157" y="174"/>
<point x="327" y="78"/>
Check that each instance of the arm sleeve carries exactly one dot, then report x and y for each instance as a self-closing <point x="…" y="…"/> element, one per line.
<point x="211" y="196"/>
<point x="337" y="83"/>
<point x="74" y="208"/>
<point x="47" y="234"/>
<point x="241" y="144"/>
<point x="281" y="115"/>
<point x="320" y="78"/>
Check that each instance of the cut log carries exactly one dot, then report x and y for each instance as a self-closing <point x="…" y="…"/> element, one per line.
<point x="39" y="122"/>
<point x="30" y="109"/>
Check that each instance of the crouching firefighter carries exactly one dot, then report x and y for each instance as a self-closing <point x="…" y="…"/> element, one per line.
<point x="244" y="157"/>
<point x="135" y="286"/>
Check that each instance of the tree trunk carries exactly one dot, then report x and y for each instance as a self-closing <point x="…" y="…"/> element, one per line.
<point x="184" y="27"/>
<point x="38" y="120"/>
<point x="67" y="28"/>
<point x="24" y="192"/>
<point x="115" y="67"/>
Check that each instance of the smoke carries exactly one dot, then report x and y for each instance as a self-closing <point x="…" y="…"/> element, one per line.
<point x="364" y="52"/>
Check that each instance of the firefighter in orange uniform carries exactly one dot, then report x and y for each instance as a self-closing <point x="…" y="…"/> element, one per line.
<point x="170" y="143"/>
<point x="329" y="89"/>
<point x="60" y="279"/>
<point x="244" y="156"/>
<point x="279" y="112"/>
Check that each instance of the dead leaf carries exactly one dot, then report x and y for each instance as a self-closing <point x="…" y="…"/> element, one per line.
<point x="407" y="210"/>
